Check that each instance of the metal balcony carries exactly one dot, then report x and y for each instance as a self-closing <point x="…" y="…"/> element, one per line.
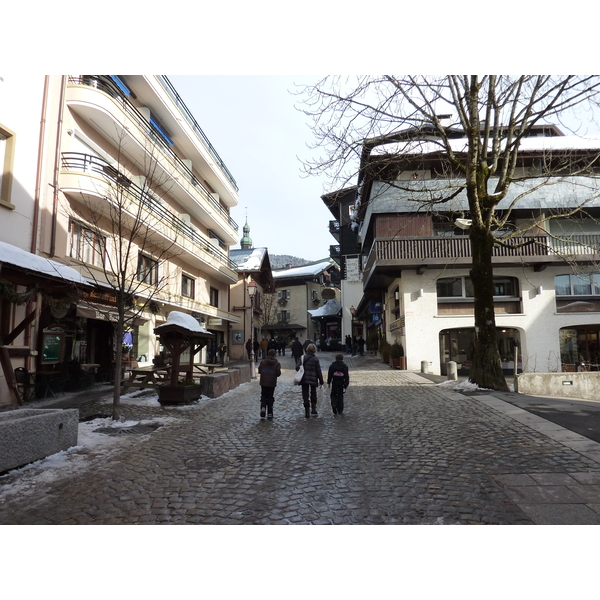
<point x="75" y="161"/>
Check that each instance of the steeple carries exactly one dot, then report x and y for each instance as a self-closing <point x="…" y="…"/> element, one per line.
<point x="246" y="241"/>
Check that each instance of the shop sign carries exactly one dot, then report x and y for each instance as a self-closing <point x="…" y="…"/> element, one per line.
<point x="214" y="322"/>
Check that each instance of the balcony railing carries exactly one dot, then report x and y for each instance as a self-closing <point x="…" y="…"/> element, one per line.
<point x="75" y="161"/>
<point x="110" y="88"/>
<point x="194" y="125"/>
<point x="441" y="248"/>
<point x="334" y="227"/>
<point x="335" y="251"/>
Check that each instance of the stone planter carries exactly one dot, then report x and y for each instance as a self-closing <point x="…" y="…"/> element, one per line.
<point x="398" y="363"/>
<point x="179" y="394"/>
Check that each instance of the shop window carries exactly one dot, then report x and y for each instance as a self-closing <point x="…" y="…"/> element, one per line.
<point x="580" y="348"/>
<point x="86" y="245"/>
<point x="147" y="271"/>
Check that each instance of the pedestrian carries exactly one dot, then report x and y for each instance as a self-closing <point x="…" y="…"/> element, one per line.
<point x="222" y="352"/>
<point x="361" y="345"/>
<point x="249" y="348"/>
<point x="311" y="378"/>
<point x="349" y="344"/>
<point x="354" y="346"/>
<point x="338" y="380"/>
<point x="263" y="347"/>
<point x="269" y="370"/>
<point x="297" y="350"/>
<point x="256" y="348"/>
<point x="282" y="346"/>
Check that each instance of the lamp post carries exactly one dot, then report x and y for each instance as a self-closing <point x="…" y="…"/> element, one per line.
<point x="252" y="292"/>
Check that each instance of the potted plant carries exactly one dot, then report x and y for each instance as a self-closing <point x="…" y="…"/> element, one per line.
<point x="398" y="360"/>
<point x="385" y="349"/>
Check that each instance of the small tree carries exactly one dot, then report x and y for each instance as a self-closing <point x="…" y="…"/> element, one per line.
<point x="493" y="115"/>
<point x="131" y="234"/>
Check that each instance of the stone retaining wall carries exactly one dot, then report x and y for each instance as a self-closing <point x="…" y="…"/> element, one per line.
<point x="30" y="434"/>
<point x="584" y="385"/>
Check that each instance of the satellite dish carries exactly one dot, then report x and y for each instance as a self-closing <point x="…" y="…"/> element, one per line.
<point x="328" y="294"/>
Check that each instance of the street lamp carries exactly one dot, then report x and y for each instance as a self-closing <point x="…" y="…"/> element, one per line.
<point x="252" y="292"/>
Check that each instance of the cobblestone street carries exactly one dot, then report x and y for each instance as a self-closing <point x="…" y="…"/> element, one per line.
<point x="404" y="452"/>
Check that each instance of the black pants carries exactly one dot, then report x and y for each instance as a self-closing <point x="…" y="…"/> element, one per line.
<point x="337" y="398"/>
<point x="309" y="390"/>
<point x="266" y="398"/>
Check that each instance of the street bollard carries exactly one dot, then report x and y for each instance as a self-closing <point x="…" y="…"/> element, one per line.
<point x="424" y="366"/>
<point x="451" y="371"/>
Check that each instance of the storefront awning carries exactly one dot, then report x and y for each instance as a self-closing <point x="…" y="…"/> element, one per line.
<point x="102" y="312"/>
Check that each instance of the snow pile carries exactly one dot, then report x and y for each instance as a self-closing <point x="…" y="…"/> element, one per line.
<point x="183" y="320"/>
<point x="462" y="386"/>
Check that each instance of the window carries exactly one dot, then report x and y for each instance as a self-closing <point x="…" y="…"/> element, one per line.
<point x="87" y="245"/>
<point x="462" y="287"/>
<point x="7" y="145"/>
<point x="188" y="286"/>
<point x="283" y="295"/>
<point x="283" y="316"/>
<point x="214" y="297"/>
<point x="577" y="285"/>
<point x="147" y="270"/>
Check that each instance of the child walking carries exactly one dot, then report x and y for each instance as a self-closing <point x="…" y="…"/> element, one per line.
<point x="269" y="370"/>
<point x="338" y="380"/>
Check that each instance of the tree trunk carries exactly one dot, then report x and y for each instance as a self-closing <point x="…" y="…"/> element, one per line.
<point x="118" y="329"/>
<point x="486" y="370"/>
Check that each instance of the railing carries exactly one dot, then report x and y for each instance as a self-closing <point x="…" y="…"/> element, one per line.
<point x="424" y="248"/>
<point x="168" y="86"/>
<point x="75" y="161"/>
<point x="110" y="88"/>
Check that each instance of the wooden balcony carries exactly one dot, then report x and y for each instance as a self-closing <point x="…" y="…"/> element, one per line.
<point x="389" y="256"/>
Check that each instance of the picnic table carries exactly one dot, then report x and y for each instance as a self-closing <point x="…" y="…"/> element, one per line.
<point x="151" y="376"/>
<point x="206" y="368"/>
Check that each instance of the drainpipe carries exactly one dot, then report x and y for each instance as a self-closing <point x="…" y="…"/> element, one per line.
<point x="36" y="206"/>
<point x="59" y="126"/>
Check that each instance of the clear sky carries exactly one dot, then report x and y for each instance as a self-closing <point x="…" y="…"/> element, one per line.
<point x="252" y="123"/>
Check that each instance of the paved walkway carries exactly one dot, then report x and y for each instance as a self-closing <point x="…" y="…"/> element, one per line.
<point x="403" y="452"/>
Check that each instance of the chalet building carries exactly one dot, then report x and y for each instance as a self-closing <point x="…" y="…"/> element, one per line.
<point x="74" y="149"/>
<point x="416" y="256"/>
<point x="347" y="252"/>
<point x="303" y="290"/>
<point x="253" y="267"/>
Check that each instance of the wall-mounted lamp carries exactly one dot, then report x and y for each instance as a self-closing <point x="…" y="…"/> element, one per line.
<point x="463" y="223"/>
<point x="352" y="311"/>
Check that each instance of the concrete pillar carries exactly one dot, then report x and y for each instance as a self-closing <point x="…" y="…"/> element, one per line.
<point x="451" y="370"/>
<point x="424" y="366"/>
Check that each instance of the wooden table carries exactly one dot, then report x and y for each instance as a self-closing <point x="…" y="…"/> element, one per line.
<point x="142" y="377"/>
<point x="206" y="368"/>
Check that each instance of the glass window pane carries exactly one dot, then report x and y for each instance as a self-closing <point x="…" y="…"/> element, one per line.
<point x="562" y="285"/>
<point x="596" y="284"/>
<point x="450" y="287"/>
<point x="582" y="285"/>
<point x="468" y="287"/>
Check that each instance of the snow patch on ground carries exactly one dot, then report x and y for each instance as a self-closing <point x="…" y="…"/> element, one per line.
<point x="462" y="386"/>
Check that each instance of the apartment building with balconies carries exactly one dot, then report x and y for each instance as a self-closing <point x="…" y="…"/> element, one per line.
<point x="106" y="148"/>
<point x="417" y="255"/>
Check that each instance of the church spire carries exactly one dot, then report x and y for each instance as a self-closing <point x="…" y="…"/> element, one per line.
<point x="246" y="241"/>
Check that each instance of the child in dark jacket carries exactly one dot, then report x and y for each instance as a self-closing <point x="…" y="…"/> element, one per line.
<point x="338" y="380"/>
<point x="269" y="370"/>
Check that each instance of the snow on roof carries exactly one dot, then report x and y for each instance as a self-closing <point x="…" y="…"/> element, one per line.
<point x="18" y="257"/>
<point x="303" y="271"/>
<point x="182" y="320"/>
<point x="248" y="259"/>
<point x="330" y="308"/>
<point x="529" y="144"/>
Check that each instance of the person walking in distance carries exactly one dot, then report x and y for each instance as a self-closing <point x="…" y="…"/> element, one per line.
<point x="269" y="370"/>
<point x="338" y="380"/>
<point x="361" y="345"/>
<point x="297" y="350"/>
<point x="312" y="377"/>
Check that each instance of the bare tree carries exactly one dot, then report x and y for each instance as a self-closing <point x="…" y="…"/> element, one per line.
<point x="492" y="117"/>
<point x="129" y="235"/>
<point x="269" y="308"/>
